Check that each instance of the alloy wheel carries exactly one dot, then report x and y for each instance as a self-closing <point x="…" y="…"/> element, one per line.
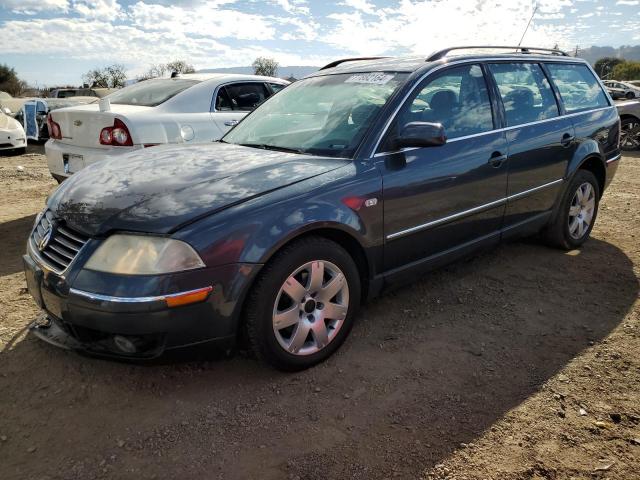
<point x="310" y="307"/>
<point x="581" y="210"/>
<point x="630" y="135"/>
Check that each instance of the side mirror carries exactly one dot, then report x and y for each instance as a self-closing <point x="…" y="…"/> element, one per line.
<point x="421" y="134"/>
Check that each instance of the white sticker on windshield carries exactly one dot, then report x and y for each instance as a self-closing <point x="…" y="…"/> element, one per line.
<point x="377" y="78"/>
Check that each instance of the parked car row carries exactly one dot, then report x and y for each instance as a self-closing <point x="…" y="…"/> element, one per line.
<point x="12" y="136"/>
<point x="193" y="108"/>
<point x="362" y="175"/>
<point x="619" y="90"/>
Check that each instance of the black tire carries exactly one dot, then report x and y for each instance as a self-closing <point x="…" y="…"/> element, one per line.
<point x="260" y="303"/>
<point x="558" y="231"/>
<point x="630" y="96"/>
<point x="630" y="133"/>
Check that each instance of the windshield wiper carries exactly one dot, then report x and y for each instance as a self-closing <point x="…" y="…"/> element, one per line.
<point x="276" y="148"/>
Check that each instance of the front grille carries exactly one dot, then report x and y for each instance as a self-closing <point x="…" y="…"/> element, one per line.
<point x="63" y="244"/>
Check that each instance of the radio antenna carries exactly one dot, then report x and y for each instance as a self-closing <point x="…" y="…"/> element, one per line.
<point x="529" y="23"/>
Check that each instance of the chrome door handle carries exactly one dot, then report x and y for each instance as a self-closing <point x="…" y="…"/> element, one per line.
<point x="497" y="159"/>
<point x="231" y="123"/>
<point x="567" y="140"/>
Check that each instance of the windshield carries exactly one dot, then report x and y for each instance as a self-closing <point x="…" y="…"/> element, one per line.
<point x="326" y="115"/>
<point x="150" y="93"/>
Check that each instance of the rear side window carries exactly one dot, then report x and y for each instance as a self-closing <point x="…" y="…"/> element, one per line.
<point x="578" y="87"/>
<point x="525" y="91"/>
<point x="150" y="93"/>
<point x="246" y="96"/>
<point x="457" y="98"/>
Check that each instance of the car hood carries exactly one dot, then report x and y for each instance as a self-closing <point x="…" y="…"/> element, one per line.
<point x="160" y="189"/>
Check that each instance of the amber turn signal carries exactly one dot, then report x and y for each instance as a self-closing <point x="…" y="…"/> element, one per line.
<point x="187" y="298"/>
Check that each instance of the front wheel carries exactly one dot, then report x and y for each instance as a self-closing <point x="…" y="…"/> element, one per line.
<point x="630" y="95"/>
<point x="576" y="213"/>
<point x="302" y="306"/>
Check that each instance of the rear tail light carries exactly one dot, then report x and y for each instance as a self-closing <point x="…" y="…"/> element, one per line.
<point x="117" y="136"/>
<point x="54" y="128"/>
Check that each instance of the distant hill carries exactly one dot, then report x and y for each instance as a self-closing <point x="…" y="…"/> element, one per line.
<point x="626" y="52"/>
<point x="283" y="72"/>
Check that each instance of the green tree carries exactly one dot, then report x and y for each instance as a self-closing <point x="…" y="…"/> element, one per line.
<point x="9" y="81"/>
<point x="627" y="71"/>
<point x="265" y="66"/>
<point x="112" y="76"/>
<point x="604" y="67"/>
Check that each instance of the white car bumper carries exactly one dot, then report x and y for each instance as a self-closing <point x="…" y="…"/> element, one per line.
<point x="10" y="139"/>
<point x="65" y="160"/>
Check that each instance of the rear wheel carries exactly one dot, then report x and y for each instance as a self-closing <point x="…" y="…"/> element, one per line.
<point x="630" y="95"/>
<point x="302" y="306"/>
<point x="577" y="212"/>
<point x="630" y="134"/>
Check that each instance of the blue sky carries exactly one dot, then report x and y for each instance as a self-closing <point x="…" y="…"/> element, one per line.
<point x="52" y="42"/>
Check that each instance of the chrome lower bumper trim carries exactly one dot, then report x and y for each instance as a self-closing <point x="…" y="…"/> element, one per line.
<point x="99" y="298"/>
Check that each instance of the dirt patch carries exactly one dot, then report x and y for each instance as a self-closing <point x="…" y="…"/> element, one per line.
<point x="521" y="363"/>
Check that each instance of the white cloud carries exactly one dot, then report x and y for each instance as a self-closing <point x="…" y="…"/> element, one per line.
<point x="31" y="7"/>
<point x="420" y="27"/>
<point x="361" y="6"/>
<point x="628" y="2"/>
<point x="207" y="20"/>
<point x="98" y="9"/>
<point x="304" y="29"/>
<point x="293" y="6"/>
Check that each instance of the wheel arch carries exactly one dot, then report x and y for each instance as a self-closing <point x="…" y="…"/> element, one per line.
<point x="595" y="165"/>
<point x="629" y="116"/>
<point x="339" y="234"/>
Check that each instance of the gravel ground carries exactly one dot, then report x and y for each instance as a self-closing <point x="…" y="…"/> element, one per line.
<point x="521" y="363"/>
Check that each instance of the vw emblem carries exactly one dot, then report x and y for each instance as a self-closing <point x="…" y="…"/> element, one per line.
<point x="77" y="123"/>
<point x="46" y="238"/>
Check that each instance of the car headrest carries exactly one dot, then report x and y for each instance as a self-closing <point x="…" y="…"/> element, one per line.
<point x="443" y="100"/>
<point x="362" y="113"/>
<point x="520" y="97"/>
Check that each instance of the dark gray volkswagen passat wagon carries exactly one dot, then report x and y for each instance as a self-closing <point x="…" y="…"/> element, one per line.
<point x="363" y="174"/>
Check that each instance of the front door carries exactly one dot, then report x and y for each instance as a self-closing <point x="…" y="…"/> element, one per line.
<point x="449" y="198"/>
<point x="235" y="100"/>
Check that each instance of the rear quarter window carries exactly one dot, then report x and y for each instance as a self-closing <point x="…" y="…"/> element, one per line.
<point x="151" y="93"/>
<point x="579" y="88"/>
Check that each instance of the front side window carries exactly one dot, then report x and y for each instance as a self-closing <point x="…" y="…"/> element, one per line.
<point x="578" y="87"/>
<point x="326" y="115"/>
<point x="457" y="98"/>
<point x="526" y="93"/>
<point x="246" y="96"/>
<point x="150" y="93"/>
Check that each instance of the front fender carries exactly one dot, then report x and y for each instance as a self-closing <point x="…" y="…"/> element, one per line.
<point x="254" y="231"/>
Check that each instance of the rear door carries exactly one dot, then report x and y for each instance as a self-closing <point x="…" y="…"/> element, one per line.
<point x="447" y="198"/>
<point x="541" y="142"/>
<point x="584" y="100"/>
<point x="233" y="101"/>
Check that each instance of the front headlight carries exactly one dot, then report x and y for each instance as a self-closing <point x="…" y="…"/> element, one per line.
<point x="143" y="255"/>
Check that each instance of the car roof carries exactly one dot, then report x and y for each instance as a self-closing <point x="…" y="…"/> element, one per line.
<point x="415" y="63"/>
<point x="230" y="77"/>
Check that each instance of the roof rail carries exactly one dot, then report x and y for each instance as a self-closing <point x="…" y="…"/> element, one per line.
<point x="443" y="53"/>
<point x="355" y="59"/>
